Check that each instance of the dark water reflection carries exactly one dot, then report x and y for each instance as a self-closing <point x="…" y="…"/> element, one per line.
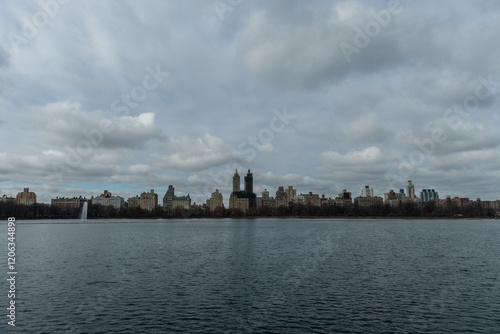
<point x="258" y="276"/>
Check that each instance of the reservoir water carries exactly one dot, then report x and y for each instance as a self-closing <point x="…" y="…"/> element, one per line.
<point x="255" y="276"/>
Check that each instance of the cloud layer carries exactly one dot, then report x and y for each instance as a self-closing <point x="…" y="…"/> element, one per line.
<point x="127" y="96"/>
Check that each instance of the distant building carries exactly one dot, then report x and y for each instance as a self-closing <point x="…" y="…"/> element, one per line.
<point x="239" y="202"/>
<point x="168" y="198"/>
<point x="410" y="190"/>
<point x="265" y="195"/>
<point x="368" y="201"/>
<point x="266" y="200"/>
<point x="428" y="195"/>
<point x="215" y="201"/>
<point x="172" y="202"/>
<point x="270" y="203"/>
<point x="300" y="199"/>
<point x="242" y="200"/>
<point x="367" y="192"/>
<point x="368" y="198"/>
<point x="344" y="198"/>
<point x="415" y="200"/>
<point x="391" y="198"/>
<point x="291" y="193"/>
<point x="133" y="202"/>
<point x="147" y="201"/>
<point x="26" y="197"/>
<point x="309" y="199"/>
<point x="107" y="199"/>
<point x="401" y="194"/>
<point x="181" y="202"/>
<point x="460" y="202"/>
<point x="453" y="202"/>
<point x="236" y="182"/>
<point x="494" y="205"/>
<point x="202" y="208"/>
<point x="62" y="202"/>
<point x="324" y="201"/>
<point x="5" y="199"/>
<point x="281" y="197"/>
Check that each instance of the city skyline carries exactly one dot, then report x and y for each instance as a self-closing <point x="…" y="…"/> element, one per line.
<point x="320" y="95"/>
<point x="407" y="191"/>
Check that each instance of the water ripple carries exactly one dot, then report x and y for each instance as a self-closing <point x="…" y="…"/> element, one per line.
<point x="259" y="276"/>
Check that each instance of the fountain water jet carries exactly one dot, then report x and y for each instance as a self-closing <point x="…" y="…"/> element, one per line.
<point x="84" y="211"/>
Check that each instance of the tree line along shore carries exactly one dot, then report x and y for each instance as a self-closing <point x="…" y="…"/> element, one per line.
<point x="403" y="210"/>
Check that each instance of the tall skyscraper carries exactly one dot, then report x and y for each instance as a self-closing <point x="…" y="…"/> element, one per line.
<point x="410" y="190"/>
<point x="242" y="200"/>
<point x="236" y="182"/>
<point x="249" y="183"/>
<point x="291" y="193"/>
<point x="169" y="197"/>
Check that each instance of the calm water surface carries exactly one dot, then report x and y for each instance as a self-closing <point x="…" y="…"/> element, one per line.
<point x="256" y="276"/>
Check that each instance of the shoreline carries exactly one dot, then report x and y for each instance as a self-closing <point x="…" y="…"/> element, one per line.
<point x="153" y="219"/>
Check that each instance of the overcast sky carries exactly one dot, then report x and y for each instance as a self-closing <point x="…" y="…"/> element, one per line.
<point x="320" y="95"/>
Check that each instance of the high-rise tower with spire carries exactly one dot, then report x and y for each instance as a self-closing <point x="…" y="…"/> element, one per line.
<point x="242" y="200"/>
<point x="236" y="182"/>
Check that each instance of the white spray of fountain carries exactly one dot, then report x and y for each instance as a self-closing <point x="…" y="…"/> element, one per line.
<point x="84" y="211"/>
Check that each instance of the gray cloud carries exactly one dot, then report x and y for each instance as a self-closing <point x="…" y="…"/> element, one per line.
<point x="197" y="154"/>
<point x="355" y="121"/>
<point x="4" y="57"/>
<point x="65" y="123"/>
